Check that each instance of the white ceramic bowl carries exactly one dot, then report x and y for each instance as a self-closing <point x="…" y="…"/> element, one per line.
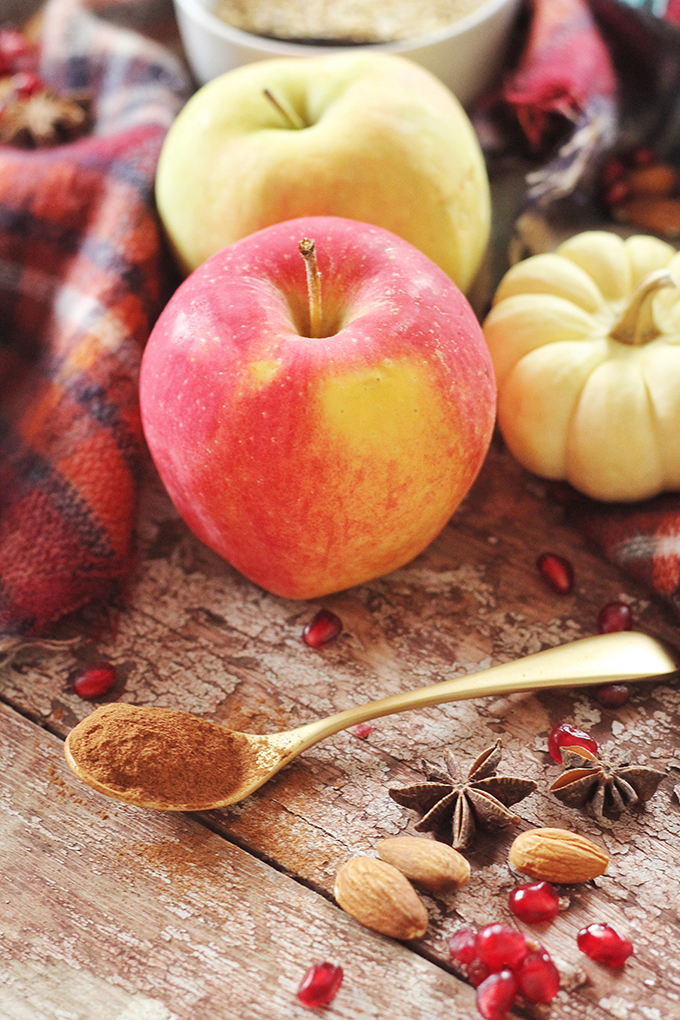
<point x="466" y="56"/>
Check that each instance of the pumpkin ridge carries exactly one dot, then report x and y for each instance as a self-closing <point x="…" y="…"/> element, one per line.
<point x="583" y="404"/>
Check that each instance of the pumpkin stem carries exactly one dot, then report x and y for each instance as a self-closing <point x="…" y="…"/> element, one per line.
<point x="636" y="324"/>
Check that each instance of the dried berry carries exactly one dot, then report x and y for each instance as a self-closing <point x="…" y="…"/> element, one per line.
<point x="643" y="156"/>
<point x="617" y="192"/>
<point x="534" y="902"/>
<point x="320" y="985"/>
<point x="603" y="944"/>
<point x="613" y="617"/>
<point x="612" y="695"/>
<point x="557" y="571"/>
<point x="322" y="628"/>
<point x="612" y="171"/>
<point x="95" y="680"/>
<point x="566" y="735"/>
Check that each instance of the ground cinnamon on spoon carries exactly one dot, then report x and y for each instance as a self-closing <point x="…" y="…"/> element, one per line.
<point x="160" y="755"/>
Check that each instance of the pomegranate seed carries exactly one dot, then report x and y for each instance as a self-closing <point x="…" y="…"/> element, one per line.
<point x="95" y="680"/>
<point x="615" y="616"/>
<point x="16" y="54"/>
<point x="462" y="946"/>
<point x="566" y="735"/>
<point x="557" y="571"/>
<point x="643" y="156"/>
<point x="476" y="972"/>
<point x="320" y="985"/>
<point x="612" y="695"/>
<point x="538" y="977"/>
<point x="534" y="902"/>
<point x="613" y="171"/>
<point x="561" y="493"/>
<point x="27" y="83"/>
<point x="496" y="995"/>
<point x="604" y="945"/>
<point x="617" y="192"/>
<point x="499" y="946"/>
<point x="321" y="629"/>
<point x="362" y="730"/>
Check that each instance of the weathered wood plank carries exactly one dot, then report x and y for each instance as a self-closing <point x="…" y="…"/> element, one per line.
<point x="197" y="636"/>
<point x="120" y="914"/>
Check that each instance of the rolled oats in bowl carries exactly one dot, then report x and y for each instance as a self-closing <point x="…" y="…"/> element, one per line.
<point x="462" y="42"/>
<point x="343" y="21"/>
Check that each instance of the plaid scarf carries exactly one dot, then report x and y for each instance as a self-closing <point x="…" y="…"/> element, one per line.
<point x="83" y="275"/>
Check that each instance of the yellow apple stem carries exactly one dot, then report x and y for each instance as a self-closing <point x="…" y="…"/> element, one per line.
<point x="636" y="325"/>
<point x="308" y="251"/>
<point x="291" y="117"/>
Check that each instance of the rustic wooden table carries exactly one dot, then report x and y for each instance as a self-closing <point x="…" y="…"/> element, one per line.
<point x="115" y="913"/>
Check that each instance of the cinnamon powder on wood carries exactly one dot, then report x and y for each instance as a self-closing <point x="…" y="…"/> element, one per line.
<point x="160" y="756"/>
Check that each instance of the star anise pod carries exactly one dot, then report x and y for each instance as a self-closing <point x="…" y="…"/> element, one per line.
<point x="40" y="117"/>
<point x="481" y="800"/>
<point x="606" y="788"/>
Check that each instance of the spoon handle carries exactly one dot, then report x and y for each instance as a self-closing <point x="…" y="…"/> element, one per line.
<point x="606" y="658"/>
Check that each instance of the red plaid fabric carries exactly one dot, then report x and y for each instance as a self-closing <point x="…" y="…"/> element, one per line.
<point x="82" y="278"/>
<point x="643" y="540"/>
<point x="672" y="12"/>
<point x="564" y="69"/>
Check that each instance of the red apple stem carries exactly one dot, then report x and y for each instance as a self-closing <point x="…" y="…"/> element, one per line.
<point x="291" y="117"/>
<point x="308" y="251"/>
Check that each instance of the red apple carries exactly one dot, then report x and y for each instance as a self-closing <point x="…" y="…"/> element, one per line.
<point x="316" y="455"/>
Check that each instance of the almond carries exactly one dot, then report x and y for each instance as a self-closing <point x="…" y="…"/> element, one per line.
<point x="436" y="867"/>
<point x="557" y="855"/>
<point x="658" y="179"/>
<point x="651" y="212"/>
<point x="377" y="895"/>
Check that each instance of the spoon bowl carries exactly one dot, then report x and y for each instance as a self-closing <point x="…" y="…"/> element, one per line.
<point x="175" y="761"/>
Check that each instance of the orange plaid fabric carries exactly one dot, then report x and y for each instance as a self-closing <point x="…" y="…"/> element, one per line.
<point x="83" y="275"/>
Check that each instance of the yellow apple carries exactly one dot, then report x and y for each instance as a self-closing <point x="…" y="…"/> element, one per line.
<point x="366" y="136"/>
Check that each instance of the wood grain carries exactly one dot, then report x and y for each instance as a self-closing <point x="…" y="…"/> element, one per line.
<point x="119" y="914"/>
<point x="195" y="635"/>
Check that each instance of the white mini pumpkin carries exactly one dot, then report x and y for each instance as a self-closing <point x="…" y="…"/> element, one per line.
<point x="585" y="344"/>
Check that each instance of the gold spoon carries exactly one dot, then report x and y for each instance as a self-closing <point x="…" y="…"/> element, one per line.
<point x="175" y="761"/>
